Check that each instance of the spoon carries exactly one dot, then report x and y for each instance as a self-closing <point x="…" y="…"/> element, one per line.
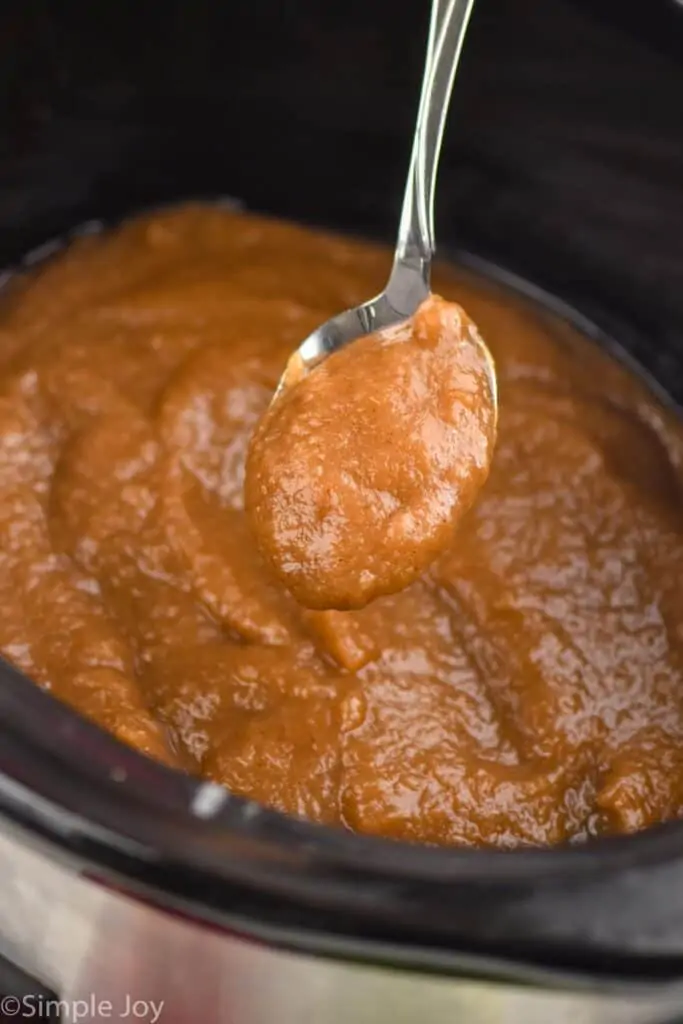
<point x="409" y="282"/>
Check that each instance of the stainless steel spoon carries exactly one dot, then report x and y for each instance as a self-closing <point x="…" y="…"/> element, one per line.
<point x="409" y="282"/>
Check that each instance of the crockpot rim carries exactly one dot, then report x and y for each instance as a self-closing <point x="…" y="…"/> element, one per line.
<point x="305" y="887"/>
<point x="113" y="766"/>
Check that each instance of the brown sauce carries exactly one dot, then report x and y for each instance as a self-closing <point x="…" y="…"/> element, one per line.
<point x="527" y="688"/>
<point x="358" y="474"/>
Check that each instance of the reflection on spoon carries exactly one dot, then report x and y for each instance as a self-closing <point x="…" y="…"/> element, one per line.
<point x="359" y="472"/>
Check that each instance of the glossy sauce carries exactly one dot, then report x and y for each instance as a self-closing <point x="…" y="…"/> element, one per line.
<point x="526" y="689"/>
<point x="358" y="474"/>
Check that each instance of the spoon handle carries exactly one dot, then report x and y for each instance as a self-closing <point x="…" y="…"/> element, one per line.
<point x="448" y="24"/>
<point x="409" y="282"/>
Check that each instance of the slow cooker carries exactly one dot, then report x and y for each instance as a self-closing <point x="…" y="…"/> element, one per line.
<point x="128" y="890"/>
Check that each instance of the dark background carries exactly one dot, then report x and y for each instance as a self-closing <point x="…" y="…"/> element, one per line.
<point x="564" y="153"/>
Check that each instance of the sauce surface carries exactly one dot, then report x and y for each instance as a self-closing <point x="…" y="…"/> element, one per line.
<point x="526" y="689"/>
<point x="358" y="474"/>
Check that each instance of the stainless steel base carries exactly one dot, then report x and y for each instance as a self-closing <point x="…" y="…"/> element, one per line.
<point x="113" y="957"/>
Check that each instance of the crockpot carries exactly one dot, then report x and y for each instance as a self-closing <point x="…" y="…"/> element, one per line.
<point x="129" y="890"/>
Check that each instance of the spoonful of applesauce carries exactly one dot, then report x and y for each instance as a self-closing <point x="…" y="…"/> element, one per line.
<point x="381" y="431"/>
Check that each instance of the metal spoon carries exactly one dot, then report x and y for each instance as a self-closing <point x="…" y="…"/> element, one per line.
<point x="409" y="283"/>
